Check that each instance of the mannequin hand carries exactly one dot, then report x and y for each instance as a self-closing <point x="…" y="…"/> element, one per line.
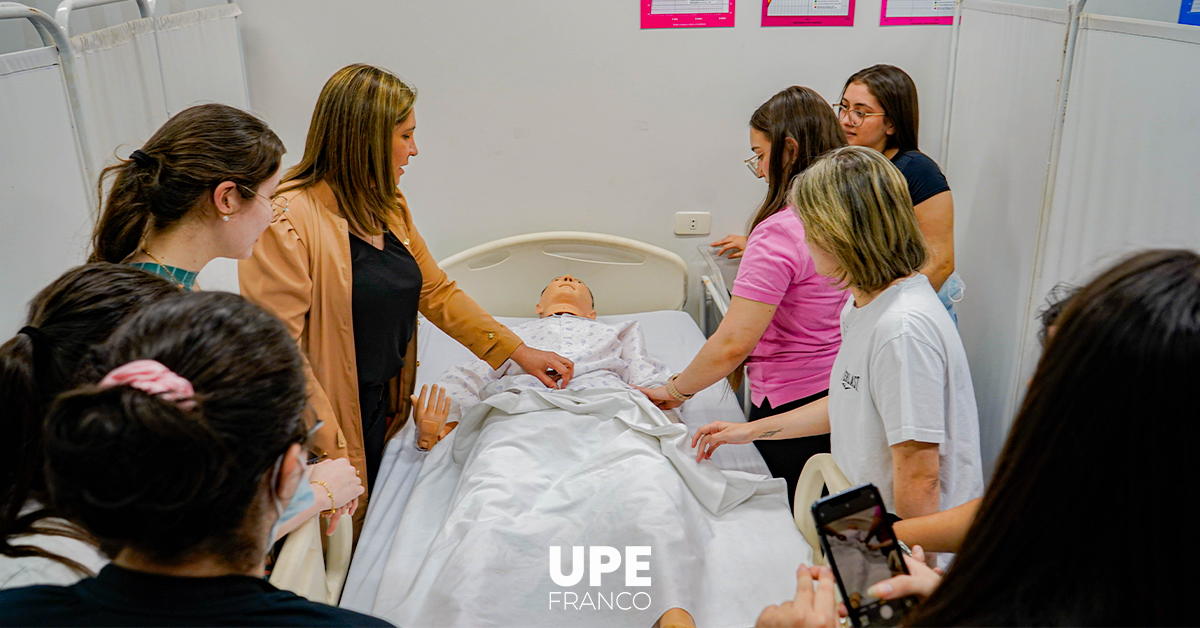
<point x="808" y="609"/>
<point x="920" y="583"/>
<point x="736" y="244"/>
<point x="544" y="365"/>
<point x="430" y="411"/>
<point x="333" y="518"/>
<point x="660" y="397"/>
<point x="718" y="433"/>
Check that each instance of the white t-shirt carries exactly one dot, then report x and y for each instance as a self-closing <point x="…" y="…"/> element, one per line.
<point x="902" y="375"/>
<point x="30" y="570"/>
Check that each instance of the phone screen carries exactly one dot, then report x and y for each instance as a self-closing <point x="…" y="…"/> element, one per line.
<point x="862" y="549"/>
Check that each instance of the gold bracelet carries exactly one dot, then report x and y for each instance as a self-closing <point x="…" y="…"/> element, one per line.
<point x="674" y="392"/>
<point x="332" y="503"/>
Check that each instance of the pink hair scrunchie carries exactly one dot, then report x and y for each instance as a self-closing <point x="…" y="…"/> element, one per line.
<point x="152" y="378"/>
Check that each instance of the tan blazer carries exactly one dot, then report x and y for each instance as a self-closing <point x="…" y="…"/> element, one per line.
<point x="301" y="271"/>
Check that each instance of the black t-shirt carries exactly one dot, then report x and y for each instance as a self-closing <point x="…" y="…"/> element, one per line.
<point x="122" y="597"/>
<point x="925" y="179"/>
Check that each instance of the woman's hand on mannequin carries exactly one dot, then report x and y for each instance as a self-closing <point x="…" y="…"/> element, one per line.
<point x="719" y="433"/>
<point x="552" y="369"/>
<point x="734" y="243"/>
<point x="920" y="582"/>
<point x="660" y="397"/>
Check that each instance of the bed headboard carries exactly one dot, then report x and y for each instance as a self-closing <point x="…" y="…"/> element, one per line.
<point x="626" y="276"/>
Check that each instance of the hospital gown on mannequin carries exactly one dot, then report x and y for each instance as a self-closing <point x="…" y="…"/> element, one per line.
<point x="605" y="356"/>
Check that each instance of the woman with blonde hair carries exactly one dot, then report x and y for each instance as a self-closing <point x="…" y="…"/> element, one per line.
<point x="901" y="408"/>
<point x="347" y="272"/>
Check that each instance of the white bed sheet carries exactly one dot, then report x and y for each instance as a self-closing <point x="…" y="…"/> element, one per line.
<point x="671" y="336"/>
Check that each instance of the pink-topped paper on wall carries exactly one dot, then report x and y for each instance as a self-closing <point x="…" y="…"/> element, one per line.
<point x="909" y="12"/>
<point x="686" y="13"/>
<point x="808" y="13"/>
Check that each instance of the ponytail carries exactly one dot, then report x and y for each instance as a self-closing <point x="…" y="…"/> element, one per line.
<point x="77" y="311"/>
<point x="173" y="175"/>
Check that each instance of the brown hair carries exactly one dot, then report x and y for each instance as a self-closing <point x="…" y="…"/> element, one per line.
<point x="897" y="94"/>
<point x="171" y="481"/>
<point x="79" y="310"/>
<point x="175" y="172"/>
<point x="855" y="205"/>
<point x="349" y="144"/>
<point x="800" y="114"/>
<point x="1109" y="414"/>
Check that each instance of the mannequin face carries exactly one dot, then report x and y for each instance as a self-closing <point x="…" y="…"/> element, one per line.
<point x="404" y="144"/>
<point x="248" y="217"/>
<point x="566" y="294"/>
<point x="874" y="131"/>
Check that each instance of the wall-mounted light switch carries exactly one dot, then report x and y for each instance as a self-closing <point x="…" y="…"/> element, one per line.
<point x="693" y="223"/>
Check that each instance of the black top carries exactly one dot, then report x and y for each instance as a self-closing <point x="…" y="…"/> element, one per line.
<point x="121" y="597"/>
<point x="925" y="179"/>
<point x="387" y="287"/>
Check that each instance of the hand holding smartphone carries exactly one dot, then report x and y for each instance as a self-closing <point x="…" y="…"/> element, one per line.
<point x="858" y="540"/>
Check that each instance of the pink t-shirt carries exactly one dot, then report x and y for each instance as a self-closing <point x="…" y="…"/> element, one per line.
<point x="794" y="356"/>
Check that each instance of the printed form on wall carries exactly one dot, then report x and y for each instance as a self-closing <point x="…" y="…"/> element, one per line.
<point x="808" y="12"/>
<point x="686" y="13"/>
<point x="909" y="12"/>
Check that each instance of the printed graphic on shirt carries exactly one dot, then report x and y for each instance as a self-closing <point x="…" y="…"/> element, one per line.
<point x="849" y="381"/>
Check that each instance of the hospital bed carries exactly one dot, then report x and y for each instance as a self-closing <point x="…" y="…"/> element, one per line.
<point x="630" y="280"/>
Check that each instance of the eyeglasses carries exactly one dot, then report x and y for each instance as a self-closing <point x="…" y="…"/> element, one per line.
<point x="855" y="116"/>
<point x="752" y="164"/>
<point x="279" y="204"/>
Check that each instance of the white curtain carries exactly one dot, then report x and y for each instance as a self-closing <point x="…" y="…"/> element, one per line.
<point x="1129" y="173"/>
<point x="122" y="88"/>
<point x="202" y="57"/>
<point x="44" y="215"/>
<point x="202" y="62"/>
<point x="1005" y="98"/>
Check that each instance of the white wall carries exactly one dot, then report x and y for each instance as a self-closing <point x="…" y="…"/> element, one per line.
<point x="539" y="115"/>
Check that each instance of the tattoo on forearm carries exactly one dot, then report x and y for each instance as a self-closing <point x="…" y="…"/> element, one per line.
<point x="770" y="433"/>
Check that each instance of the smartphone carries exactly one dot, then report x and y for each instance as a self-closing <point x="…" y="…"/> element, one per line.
<point x="857" y="538"/>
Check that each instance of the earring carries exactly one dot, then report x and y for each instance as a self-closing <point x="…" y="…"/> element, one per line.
<point x="225" y="218"/>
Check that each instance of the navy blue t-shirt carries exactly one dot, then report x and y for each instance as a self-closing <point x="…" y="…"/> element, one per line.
<point x="122" y="597"/>
<point x="925" y="179"/>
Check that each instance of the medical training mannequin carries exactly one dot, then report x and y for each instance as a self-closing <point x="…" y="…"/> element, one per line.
<point x="782" y="321"/>
<point x="901" y="410"/>
<point x="1120" y="333"/>
<point x="183" y="449"/>
<point x="605" y="356"/>
<point x="200" y="188"/>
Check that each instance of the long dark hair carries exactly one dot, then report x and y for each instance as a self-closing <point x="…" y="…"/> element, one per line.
<point x="177" y="169"/>
<point x="800" y="114"/>
<point x="170" y="481"/>
<point x="897" y="94"/>
<point x="1071" y="531"/>
<point x="80" y="309"/>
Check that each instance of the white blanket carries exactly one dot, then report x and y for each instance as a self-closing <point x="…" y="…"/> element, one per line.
<point x="527" y="471"/>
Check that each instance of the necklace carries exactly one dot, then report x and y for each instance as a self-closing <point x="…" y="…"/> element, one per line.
<point x="169" y="271"/>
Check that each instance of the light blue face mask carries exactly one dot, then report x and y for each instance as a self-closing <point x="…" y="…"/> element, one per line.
<point x="301" y="501"/>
